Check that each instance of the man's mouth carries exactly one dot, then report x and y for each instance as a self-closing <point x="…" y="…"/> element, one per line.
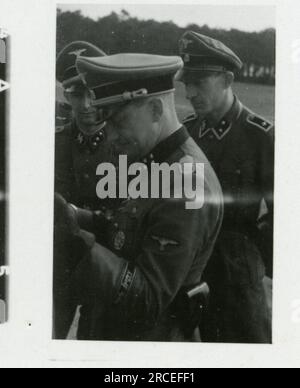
<point x="199" y="105"/>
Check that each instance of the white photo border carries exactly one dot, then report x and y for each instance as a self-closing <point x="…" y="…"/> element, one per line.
<point x="26" y="338"/>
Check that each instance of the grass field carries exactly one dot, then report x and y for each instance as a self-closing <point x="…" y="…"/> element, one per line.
<point x="259" y="98"/>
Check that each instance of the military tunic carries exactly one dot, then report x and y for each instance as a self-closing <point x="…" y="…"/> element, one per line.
<point x="77" y="157"/>
<point x="151" y="249"/>
<point x="241" y="151"/>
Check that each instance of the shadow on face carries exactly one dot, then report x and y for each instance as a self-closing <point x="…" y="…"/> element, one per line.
<point x="81" y="101"/>
<point x="133" y="128"/>
<point x="207" y="92"/>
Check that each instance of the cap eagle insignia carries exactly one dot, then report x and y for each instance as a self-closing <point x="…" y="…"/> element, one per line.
<point x="184" y="43"/>
<point x="77" y="53"/>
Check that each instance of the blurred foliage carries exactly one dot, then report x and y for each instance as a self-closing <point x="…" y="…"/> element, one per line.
<point x="119" y="33"/>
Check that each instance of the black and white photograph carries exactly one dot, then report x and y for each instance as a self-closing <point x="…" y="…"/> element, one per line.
<point x="164" y="173"/>
<point x="149" y="207"/>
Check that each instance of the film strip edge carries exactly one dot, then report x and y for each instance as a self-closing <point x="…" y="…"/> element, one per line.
<point x="4" y="86"/>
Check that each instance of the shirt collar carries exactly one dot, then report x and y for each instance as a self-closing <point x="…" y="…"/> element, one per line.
<point x="167" y="147"/>
<point x="225" y="125"/>
<point x="92" y="141"/>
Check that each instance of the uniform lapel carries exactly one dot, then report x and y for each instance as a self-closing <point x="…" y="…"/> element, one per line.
<point x="225" y="125"/>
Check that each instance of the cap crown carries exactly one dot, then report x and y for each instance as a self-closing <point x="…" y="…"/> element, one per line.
<point x="66" y="59"/>
<point x="204" y="53"/>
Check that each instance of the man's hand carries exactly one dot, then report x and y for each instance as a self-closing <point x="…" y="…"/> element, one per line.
<point x="69" y="250"/>
<point x="65" y="218"/>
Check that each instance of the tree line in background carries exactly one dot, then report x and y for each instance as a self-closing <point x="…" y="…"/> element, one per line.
<point x="120" y="33"/>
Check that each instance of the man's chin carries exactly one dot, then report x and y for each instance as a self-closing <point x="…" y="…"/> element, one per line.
<point x="201" y="112"/>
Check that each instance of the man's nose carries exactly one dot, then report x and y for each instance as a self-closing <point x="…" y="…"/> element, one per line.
<point x="86" y="102"/>
<point x="191" y="92"/>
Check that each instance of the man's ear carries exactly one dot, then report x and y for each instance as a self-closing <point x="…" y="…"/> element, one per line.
<point x="157" y="108"/>
<point x="229" y="79"/>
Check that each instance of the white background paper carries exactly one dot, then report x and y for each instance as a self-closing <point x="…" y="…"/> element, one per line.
<point x="26" y="340"/>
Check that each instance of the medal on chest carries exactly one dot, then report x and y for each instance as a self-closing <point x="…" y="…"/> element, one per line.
<point x="119" y="240"/>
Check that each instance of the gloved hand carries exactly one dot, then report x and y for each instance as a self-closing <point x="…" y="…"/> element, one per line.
<point x="67" y="233"/>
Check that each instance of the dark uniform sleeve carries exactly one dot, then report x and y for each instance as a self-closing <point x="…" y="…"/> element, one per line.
<point x="266" y="223"/>
<point x="137" y="293"/>
<point x="267" y="171"/>
<point x="264" y="140"/>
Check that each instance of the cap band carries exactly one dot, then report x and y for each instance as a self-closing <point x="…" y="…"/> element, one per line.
<point x="131" y="90"/>
<point x="202" y="63"/>
<point x="208" y="68"/>
<point x="127" y="97"/>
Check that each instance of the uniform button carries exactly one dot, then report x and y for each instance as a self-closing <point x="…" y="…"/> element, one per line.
<point x="86" y="176"/>
<point x="134" y="210"/>
<point x="116" y="225"/>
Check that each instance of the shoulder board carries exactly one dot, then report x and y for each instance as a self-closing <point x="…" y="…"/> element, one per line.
<point x="190" y="118"/>
<point x="259" y="122"/>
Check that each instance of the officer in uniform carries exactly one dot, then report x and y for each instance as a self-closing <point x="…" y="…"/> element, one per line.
<point x="239" y="144"/>
<point x="142" y="280"/>
<point x="81" y="144"/>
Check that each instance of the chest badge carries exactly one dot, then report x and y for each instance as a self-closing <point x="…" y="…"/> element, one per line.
<point x="164" y="242"/>
<point x="119" y="241"/>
